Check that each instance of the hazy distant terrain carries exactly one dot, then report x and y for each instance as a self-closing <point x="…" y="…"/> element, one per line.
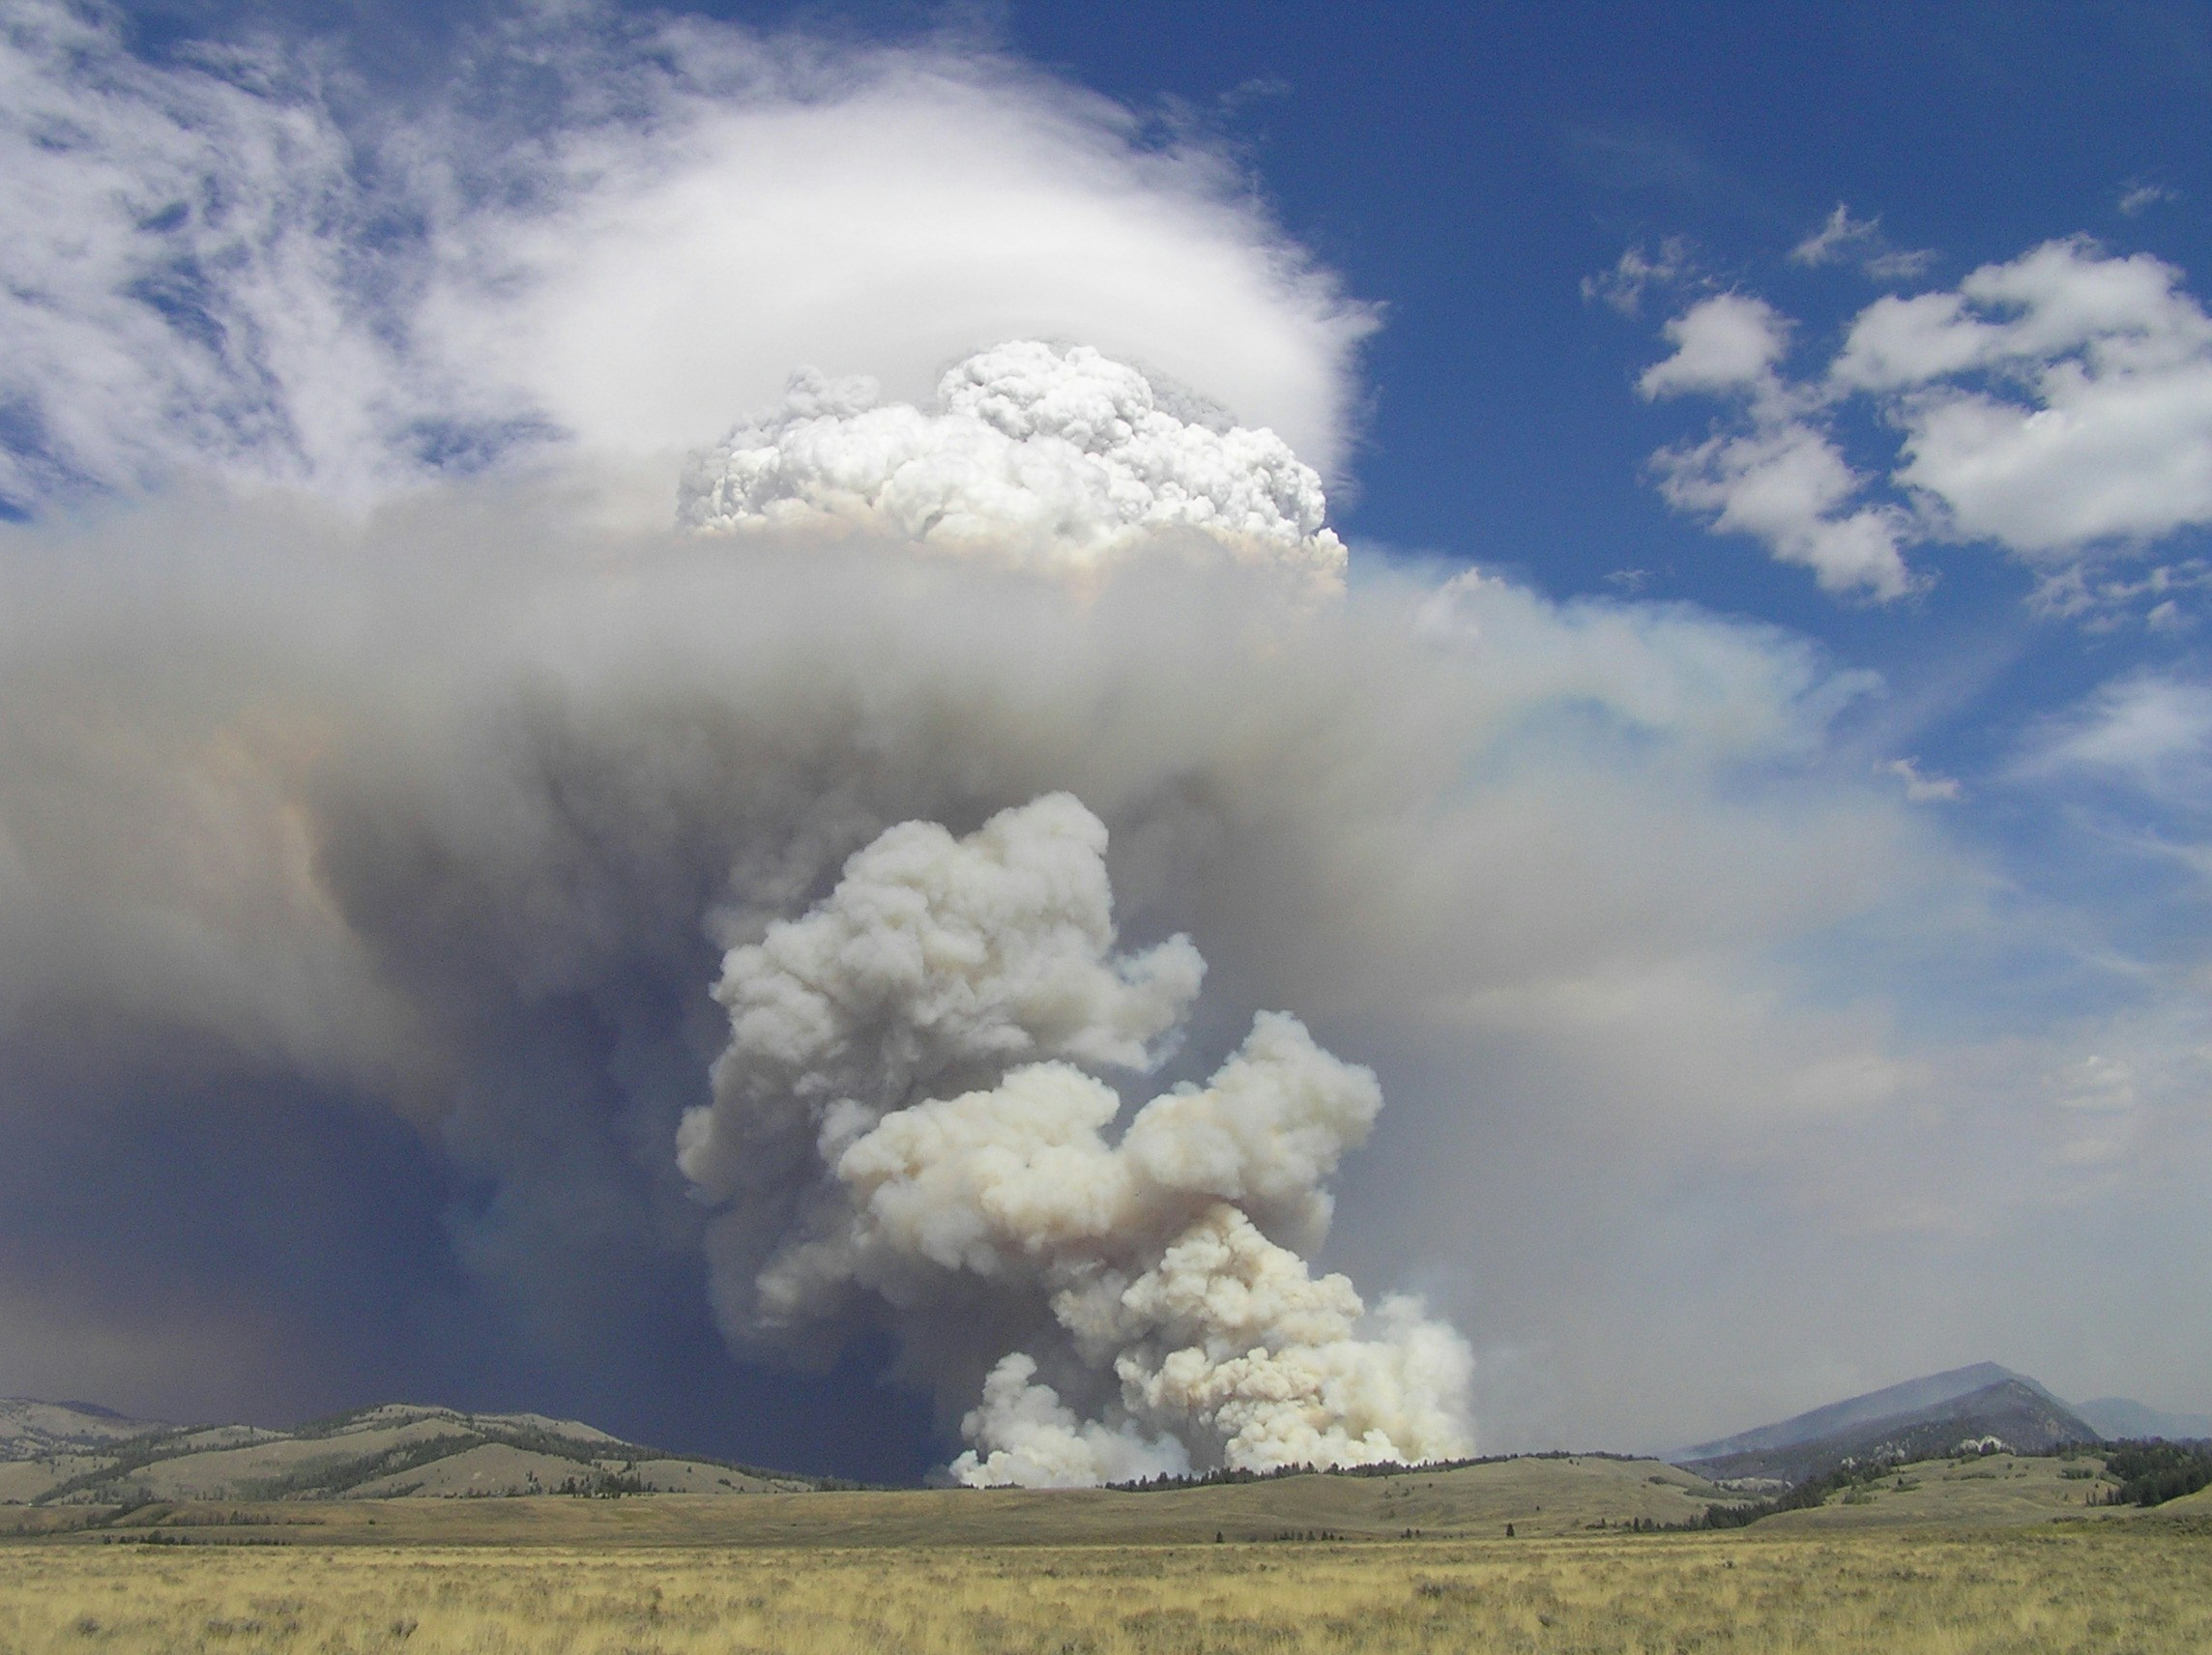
<point x="2115" y="1418"/>
<point x="61" y="1457"/>
<point x="1984" y="1405"/>
<point x="69" y="1454"/>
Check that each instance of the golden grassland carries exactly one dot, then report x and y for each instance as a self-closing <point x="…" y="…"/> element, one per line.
<point x="1540" y="1497"/>
<point x="1960" y="1557"/>
<point x="2080" y="1587"/>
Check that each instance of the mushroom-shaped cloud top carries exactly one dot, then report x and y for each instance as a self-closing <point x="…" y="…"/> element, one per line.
<point x="1033" y="454"/>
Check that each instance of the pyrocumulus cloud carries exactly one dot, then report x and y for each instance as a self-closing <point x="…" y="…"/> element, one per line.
<point x="1055" y="455"/>
<point x="388" y="789"/>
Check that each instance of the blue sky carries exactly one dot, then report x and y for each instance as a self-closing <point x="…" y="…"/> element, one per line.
<point x="1474" y="168"/>
<point x="1779" y="920"/>
<point x="1471" y="167"/>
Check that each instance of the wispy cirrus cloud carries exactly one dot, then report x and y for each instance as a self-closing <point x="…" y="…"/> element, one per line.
<point x="1922" y="787"/>
<point x="1639" y="272"/>
<point x="2148" y="731"/>
<point x="215" y="263"/>
<point x="1842" y="239"/>
<point x="2138" y="198"/>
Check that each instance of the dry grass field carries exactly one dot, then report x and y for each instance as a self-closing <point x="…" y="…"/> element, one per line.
<point x="2137" y="1585"/>
<point x="1540" y="1497"/>
<point x="1997" y="1556"/>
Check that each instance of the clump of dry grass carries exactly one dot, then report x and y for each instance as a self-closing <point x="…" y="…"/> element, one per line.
<point x="2140" y="1588"/>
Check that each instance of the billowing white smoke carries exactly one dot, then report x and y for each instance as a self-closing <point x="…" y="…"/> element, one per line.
<point x="1062" y="458"/>
<point x="905" y="1109"/>
<point x="453" y="805"/>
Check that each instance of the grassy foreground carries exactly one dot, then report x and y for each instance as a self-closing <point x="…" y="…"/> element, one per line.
<point x="2141" y="1587"/>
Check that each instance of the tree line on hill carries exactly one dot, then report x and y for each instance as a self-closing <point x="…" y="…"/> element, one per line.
<point x="2143" y="1473"/>
<point x="2151" y="1473"/>
<point x="1165" y="1481"/>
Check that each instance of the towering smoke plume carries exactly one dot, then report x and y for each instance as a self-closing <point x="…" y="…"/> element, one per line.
<point x="384" y="778"/>
<point x="905" y="1111"/>
<point x="1062" y="457"/>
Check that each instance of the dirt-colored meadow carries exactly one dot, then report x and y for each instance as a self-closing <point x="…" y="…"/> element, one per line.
<point x="2082" y="1589"/>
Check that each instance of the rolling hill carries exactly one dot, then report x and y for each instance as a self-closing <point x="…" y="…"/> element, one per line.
<point x="64" y="1454"/>
<point x="56" y="1455"/>
<point x="1546" y="1497"/>
<point x="29" y="1429"/>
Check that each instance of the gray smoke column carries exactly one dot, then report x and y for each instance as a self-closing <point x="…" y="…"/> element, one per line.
<point x="1032" y="453"/>
<point x="907" y="1111"/>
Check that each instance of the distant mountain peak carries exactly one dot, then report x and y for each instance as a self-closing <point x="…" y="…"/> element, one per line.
<point x="1909" y="1395"/>
<point x="1909" y="1420"/>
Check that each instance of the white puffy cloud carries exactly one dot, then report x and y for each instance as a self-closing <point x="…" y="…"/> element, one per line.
<point x="2097" y="422"/>
<point x="2058" y="405"/>
<point x="1783" y="480"/>
<point x="1786" y="483"/>
<point x="212" y="264"/>
<point x="2063" y="299"/>
<point x="1055" y="456"/>
<point x="1726" y="343"/>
